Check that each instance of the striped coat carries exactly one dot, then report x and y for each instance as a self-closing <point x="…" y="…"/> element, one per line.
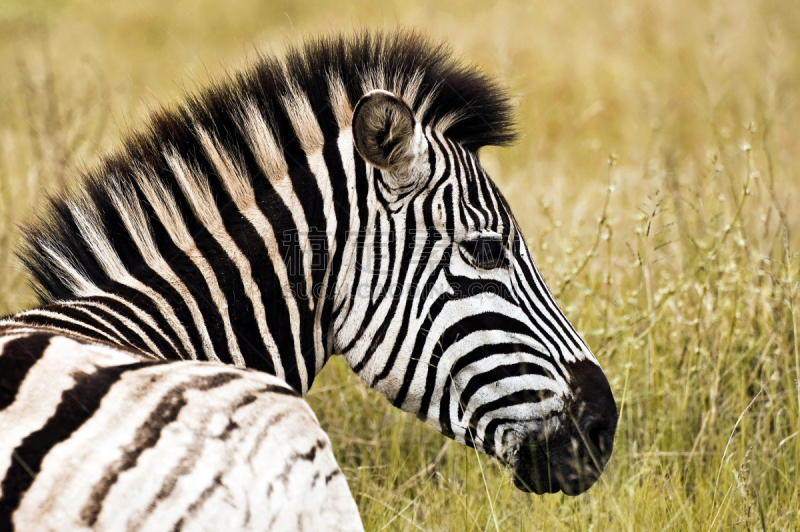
<point x="100" y="438"/>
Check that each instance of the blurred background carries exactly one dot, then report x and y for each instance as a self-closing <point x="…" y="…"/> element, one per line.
<point x="655" y="178"/>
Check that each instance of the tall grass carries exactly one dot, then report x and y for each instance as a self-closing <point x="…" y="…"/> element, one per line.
<point x="656" y="181"/>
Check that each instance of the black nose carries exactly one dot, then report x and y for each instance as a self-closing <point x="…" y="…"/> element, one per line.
<point x="571" y="453"/>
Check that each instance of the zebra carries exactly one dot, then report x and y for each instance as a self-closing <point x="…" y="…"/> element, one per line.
<point x="329" y="203"/>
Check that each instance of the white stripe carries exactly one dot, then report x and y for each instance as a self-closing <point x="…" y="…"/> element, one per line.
<point x="81" y="286"/>
<point x="382" y="229"/>
<point x="469" y="167"/>
<point x="453" y="312"/>
<point x="475" y="340"/>
<point x="556" y="348"/>
<point x="272" y="163"/>
<point x="195" y="188"/>
<point x="169" y="214"/>
<point x="308" y="132"/>
<point x="61" y="317"/>
<point x="344" y="283"/>
<point x="498" y="389"/>
<point x="123" y="196"/>
<point x="531" y="412"/>
<point x="243" y="195"/>
<point x="90" y="226"/>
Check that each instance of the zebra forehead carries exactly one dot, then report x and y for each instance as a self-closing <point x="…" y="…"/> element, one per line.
<point x="476" y="194"/>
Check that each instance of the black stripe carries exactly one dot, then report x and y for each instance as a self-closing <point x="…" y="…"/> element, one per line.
<point x="147" y="436"/>
<point x="503" y="210"/>
<point x="133" y="260"/>
<point x="475" y="191"/>
<point x="557" y="324"/>
<point x="308" y="456"/>
<point x="204" y="496"/>
<point x="38" y="320"/>
<point x="517" y="398"/>
<point x="240" y="309"/>
<point x="193" y="455"/>
<point x="406" y="255"/>
<point x="195" y="282"/>
<point x="159" y="337"/>
<point x="461" y="329"/>
<point x="18" y="357"/>
<point x="495" y="375"/>
<point x="487" y="193"/>
<point x="444" y="262"/>
<point x="431" y="237"/>
<point x="280" y="390"/>
<point x="145" y="304"/>
<point x="490" y="431"/>
<point x="341" y="202"/>
<point x="77" y="405"/>
<point x="80" y="315"/>
<point x="262" y="435"/>
<point x="462" y="362"/>
<point x="422" y="337"/>
<point x="287" y="236"/>
<point x="374" y="302"/>
<point x="362" y="189"/>
<point x="465" y="188"/>
<point x="129" y="336"/>
<point x="378" y="251"/>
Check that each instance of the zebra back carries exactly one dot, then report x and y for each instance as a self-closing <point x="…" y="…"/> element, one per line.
<point x="95" y="437"/>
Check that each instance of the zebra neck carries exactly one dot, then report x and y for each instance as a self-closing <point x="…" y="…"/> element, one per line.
<point x="247" y="283"/>
<point x="225" y="244"/>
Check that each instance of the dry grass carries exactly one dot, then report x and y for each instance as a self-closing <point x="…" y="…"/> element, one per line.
<point x="679" y="116"/>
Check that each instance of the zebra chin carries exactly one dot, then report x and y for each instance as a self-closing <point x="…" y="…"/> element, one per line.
<point x="569" y="451"/>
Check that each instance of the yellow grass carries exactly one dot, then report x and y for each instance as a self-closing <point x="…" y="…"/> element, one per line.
<point x="657" y="182"/>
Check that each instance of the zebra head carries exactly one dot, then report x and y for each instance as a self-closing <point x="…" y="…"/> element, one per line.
<point x="449" y="317"/>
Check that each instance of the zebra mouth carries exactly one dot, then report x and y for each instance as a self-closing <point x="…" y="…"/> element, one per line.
<point x="533" y="472"/>
<point x="530" y="465"/>
<point x="551" y="462"/>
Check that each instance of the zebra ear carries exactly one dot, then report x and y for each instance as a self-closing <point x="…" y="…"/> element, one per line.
<point x="387" y="136"/>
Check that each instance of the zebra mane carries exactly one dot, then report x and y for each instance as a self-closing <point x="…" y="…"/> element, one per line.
<point x="294" y="103"/>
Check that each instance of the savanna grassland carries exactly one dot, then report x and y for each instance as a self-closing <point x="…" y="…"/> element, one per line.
<point x="656" y="177"/>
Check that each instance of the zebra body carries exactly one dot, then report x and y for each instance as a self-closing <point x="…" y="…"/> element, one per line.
<point x="334" y="204"/>
<point x="120" y="441"/>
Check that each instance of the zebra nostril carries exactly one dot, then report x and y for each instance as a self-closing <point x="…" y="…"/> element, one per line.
<point x="593" y="436"/>
<point x="596" y="437"/>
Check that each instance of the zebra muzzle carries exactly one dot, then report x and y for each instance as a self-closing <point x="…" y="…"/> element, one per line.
<point x="571" y="455"/>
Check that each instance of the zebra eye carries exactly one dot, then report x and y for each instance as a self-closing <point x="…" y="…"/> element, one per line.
<point x="484" y="252"/>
